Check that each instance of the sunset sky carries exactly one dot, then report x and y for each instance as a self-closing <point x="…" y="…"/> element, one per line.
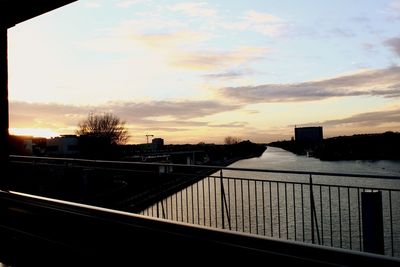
<point x="198" y="71"/>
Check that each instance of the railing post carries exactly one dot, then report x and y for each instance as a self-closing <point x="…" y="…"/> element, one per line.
<point x="312" y="209"/>
<point x="158" y="209"/>
<point x="372" y="222"/>
<point x="313" y="215"/>
<point x="162" y="209"/>
<point x="222" y="198"/>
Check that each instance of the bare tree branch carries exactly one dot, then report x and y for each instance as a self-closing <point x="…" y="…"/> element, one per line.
<point x="104" y="125"/>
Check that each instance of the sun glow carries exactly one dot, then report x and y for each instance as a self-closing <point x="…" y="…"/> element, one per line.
<point x="34" y="132"/>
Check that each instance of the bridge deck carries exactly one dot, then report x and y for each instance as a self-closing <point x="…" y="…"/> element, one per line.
<point x="36" y="230"/>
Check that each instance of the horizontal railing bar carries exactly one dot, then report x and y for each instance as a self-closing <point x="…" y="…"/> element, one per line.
<point x="227" y="177"/>
<point x="210" y="167"/>
<point x="304" y="183"/>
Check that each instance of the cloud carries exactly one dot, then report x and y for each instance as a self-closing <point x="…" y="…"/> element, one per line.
<point x="259" y="17"/>
<point x="393" y="10"/>
<point x="229" y="75"/>
<point x="168" y="39"/>
<point x="194" y="9"/>
<point x="235" y="124"/>
<point x="165" y="123"/>
<point x="156" y="113"/>
<point x="210" y="60"/>
<point x="394" y="44"/>
<point x="341" y="32"/>
<point x="173" y="45"/>
<point x="384" y="82"/>
<point x="145" y="24"/>
<point x="264" y="23"/>
<point x="361" y="19"/>
<point x="92" y="4"/>
<point x="129" y="3"/>
<point x="23" y="114"/>
<point x="367" y="119"/>
<point x="369" y="48"/>
<point x="183" y="109"/>
<point x="163" y="129"/>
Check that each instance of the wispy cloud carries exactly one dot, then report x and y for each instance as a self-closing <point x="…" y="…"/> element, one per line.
<point x="384" y="82"/>
<point x="393" y="9"/>
<point x="342" y="32"/>
<point x="211" y="60"/>
<point x="230" y="74"/>
<point x="361" y="19"/>
<point x="367" y="119"/>
<point x="256" y="17"/>
<point x="183" y="109"/>
<point x="264" y="23"/>
<point x="129" y="3"/>
<point x="179" y="47"/>
<point x="92" y="4"/>
<point x="159" y="113"/>
<point x="194" y="9"/>
<point x="370" y="119"/>
<point x="369" y="48"/>
<point x="235" y="124"/>
<point x="171" y="39"/>
<point x="394" y="44"/>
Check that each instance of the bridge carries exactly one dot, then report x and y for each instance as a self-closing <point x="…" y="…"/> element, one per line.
<point x="38" y="230"/>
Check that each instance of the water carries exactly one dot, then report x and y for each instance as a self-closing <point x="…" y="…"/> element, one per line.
<point x="280" y="205"/>
<point x="276" y="158"/>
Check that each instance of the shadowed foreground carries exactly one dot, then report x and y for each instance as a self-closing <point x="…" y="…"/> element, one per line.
<point x="39" y="231"/>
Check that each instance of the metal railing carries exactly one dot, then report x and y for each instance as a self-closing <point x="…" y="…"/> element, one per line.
<point x="307" y="211"/>
<point x="313" y="207"/>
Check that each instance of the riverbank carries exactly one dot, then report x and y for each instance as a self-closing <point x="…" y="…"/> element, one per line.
<point x="384" y="146"/>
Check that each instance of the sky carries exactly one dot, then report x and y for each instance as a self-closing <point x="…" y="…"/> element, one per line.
<point x="198" y="71"/>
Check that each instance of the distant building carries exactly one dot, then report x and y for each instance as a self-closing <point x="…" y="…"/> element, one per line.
<point x="157" y="144"/>
<point x="308" y="134"/>
<point x="66" y="145"/>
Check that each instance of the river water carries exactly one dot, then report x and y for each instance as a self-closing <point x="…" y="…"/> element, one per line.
<point x="283" y="205"/>
<point x="276" y="158"/>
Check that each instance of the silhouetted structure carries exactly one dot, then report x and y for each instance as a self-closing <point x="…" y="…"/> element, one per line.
<point x="308" y="134"/>
<point x="157" y="144"/>
<point x="65" y="145"/>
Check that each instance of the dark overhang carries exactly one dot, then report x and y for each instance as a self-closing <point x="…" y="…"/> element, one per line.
<point x="15" y="11"/>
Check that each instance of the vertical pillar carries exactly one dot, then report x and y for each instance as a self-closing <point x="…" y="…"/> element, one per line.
<point x="4" y="113"/>
<point x="372" y="222"/>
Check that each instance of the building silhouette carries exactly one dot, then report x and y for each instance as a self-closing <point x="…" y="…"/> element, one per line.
<point x="308" y="134"/>
<point x="157" y="144"/>
<point x="65" y="145"/>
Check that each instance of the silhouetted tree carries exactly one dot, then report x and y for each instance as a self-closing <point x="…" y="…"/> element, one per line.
<point x="104" y="126"/>
<point x="100" y="136"/>
<point x="231" y="140"/>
